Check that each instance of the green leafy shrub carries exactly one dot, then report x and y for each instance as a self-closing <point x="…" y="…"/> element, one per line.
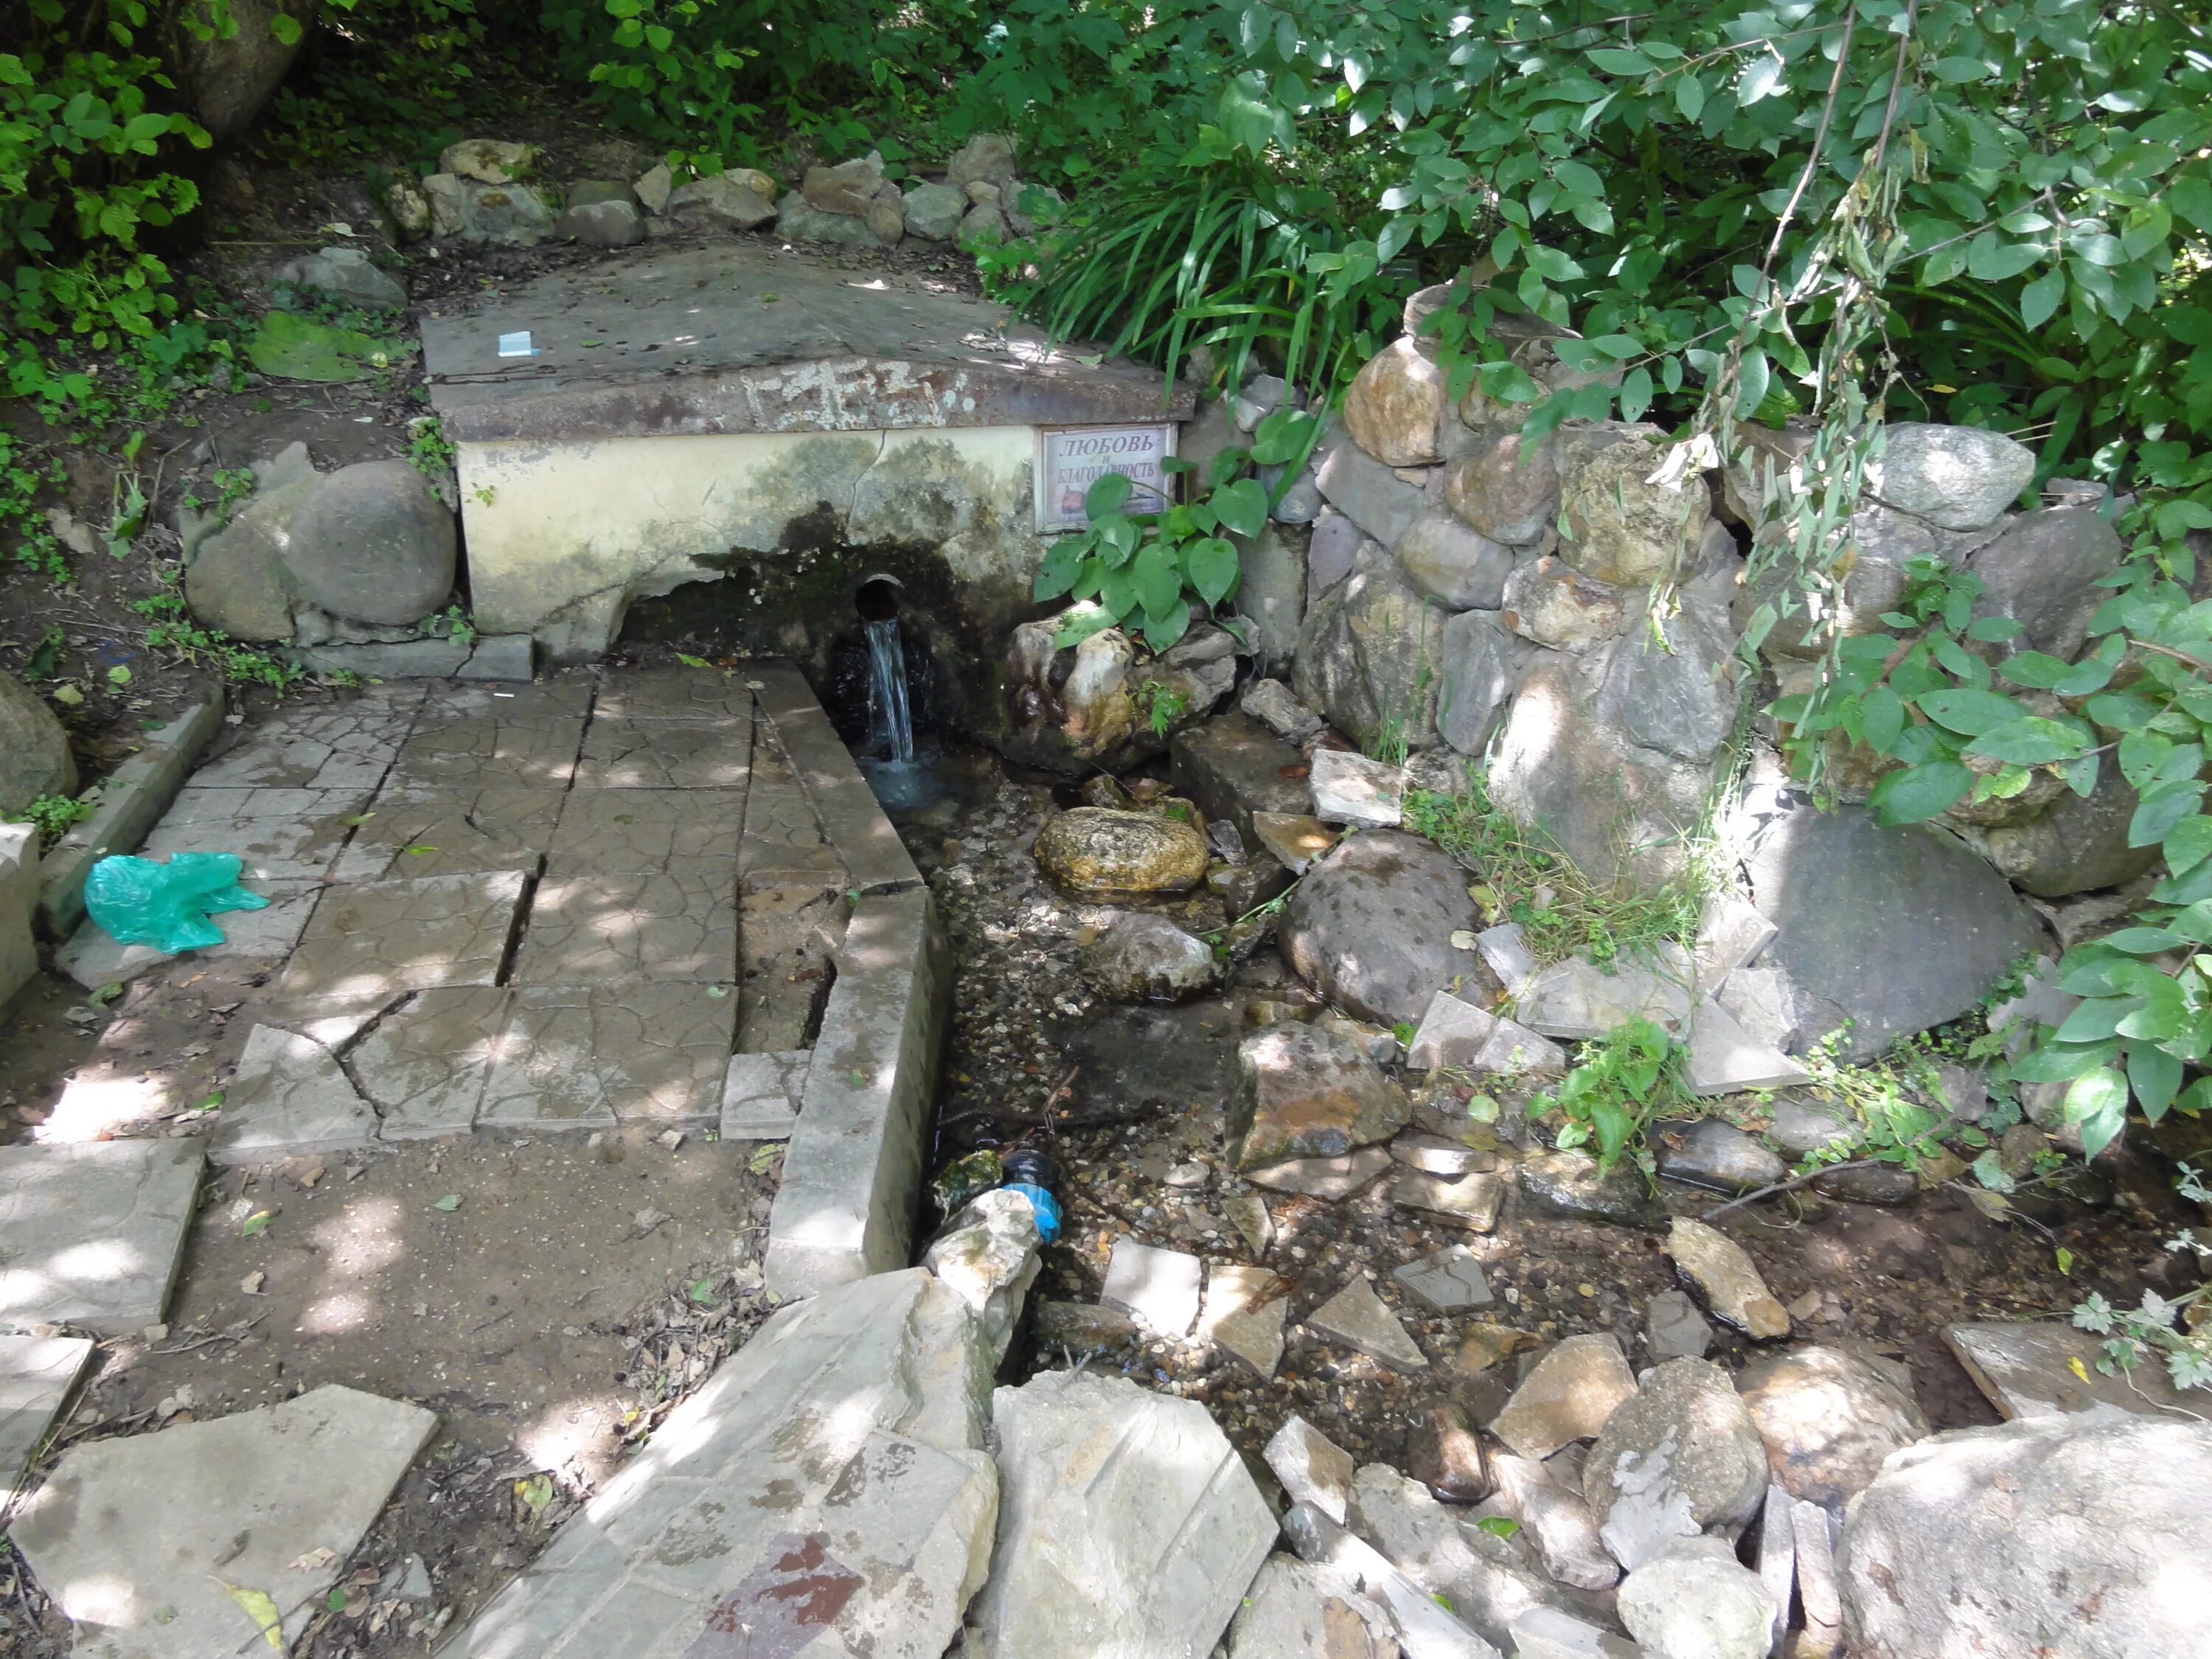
<point x="1614" y="1089"/>
<point x="54" y="814"/>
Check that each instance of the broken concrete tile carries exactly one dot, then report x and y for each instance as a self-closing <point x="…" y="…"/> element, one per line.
<point x="761" y="1095"/>
<point x="1566" y="1396"/>
<point x="536" y="751"/>
<point x="1472" y="1201"/>
<point x="1487" y="1582"/>
<point x="36" y="1376"/>
<point x="1349" y="1565"/>
<point x="376" y="939"/>
<point x="822" y="1488"/>
<point x="1513" y="1050"/>
<point x="1350" y="789"/>
<point x="1331" y="1178"/>
<point x="1297" y="1611"/>
<point x="1452" y="1033"/>
<point x="1243" y="1314"/>
<point x="1439" y="1155"/>
<point x="1720" y="1267"/>
<point x="1505" y="950"/>
<point x="1313" y="1468"/>
<point x="1450" y="1281"/>
<point x="661" y="754"/>
<point x="1157" y="1288"/>
<point x="91" y="1234"/>
<point x="1777" y="1560"/>
<point x="1730" y="934"/>
<point x="342" y="748"/>
<point x="408" y="833"/>
<point x="1817" y="1591"/>
<point x="289" y="1096"/>
<point x="1127" y="1524"/>
<point x="299" y="842"/>
<point x="425" y="1064"/>
<point x="1557" y="1523"/>
<point x="589" y="1057"/>
<point x="1675" y="1329"/>
<point x="1548" y="1633"/>
<point x="94" y="958"/>
<point x="138" y="1539"/>
<point x="1248" y="1212"/>
<point x="643" y="831"/>
<point x="1356" y="1317"/>
<point x="2027" y="1370"/>
<point x="1577" y="1000"/>
<point x="1724" y="1058"/>
<point x="989" y="1257"/>
<point x="1295" y="840"/>
<point x="680" y="923"/>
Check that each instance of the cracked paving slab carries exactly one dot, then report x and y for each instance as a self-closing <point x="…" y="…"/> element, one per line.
<point x="783" y="843"/>
<point x="345" y="748"/>
<point x="591" y="1057"/>
<point x="139" y="1539"/>
<point x="650" y="754"/>
<point x="677" y="924"/>
<point x="36" y="1376"/>
<point x="675" y="694"/>
<point x="289" y="1096"/>
<point x="762" y="1093"/>
<point x="411" y="831"/>
<point x="91" y="1234"/>
<point x="277" y="833"/>
<point x="539" y="752"/>
<point x="92" y="957"/>
<point x="424" y="1064"/>
<point x="376" y="937"/>
<point x="620" y="832"/>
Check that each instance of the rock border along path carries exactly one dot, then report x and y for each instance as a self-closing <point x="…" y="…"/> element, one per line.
<point x="574" y="905"/>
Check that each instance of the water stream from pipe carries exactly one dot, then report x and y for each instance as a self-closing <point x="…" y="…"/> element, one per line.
<point x="890" y="719"/>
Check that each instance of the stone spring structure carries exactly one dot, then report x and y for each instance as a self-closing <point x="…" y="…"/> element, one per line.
<point x="625" y="428"/>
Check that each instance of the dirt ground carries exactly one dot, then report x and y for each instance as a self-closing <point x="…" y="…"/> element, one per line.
<point x="1122" y="1095"/>
<point x="549" y="1300"/>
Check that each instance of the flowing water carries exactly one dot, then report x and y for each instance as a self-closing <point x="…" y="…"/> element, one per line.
<point x="890" y="719"/>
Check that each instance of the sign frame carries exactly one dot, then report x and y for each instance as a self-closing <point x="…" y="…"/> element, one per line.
<point x="1055" y="517"/>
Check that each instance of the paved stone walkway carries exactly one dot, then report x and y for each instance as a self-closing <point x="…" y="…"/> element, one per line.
<point x="565" y="906"/>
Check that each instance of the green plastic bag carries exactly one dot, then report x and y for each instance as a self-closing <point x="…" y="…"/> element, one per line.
<point x="139" y="901"/>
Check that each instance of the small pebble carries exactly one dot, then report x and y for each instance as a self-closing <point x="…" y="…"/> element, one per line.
<point x="671" y="1139"/>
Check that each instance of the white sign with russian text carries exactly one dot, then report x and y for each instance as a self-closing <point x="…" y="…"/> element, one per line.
<point x="1070" y="460"/>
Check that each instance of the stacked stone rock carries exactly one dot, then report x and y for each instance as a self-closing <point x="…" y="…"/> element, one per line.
<point x="477" y="196"/>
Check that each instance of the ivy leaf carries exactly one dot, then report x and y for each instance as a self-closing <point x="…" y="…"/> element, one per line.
<point x="2154" y="1076"/>
<point x="1211" y="565"/>
<point x="1062" y="563"/>
<point x="2161" y="809"/>
<point x="1158" y="579"/>
<point x="1881" y="718"/>
<point x="1634" y="393"/>
<point x="2029" y="741"/>
<point x="2098" y="1104"/>
<point x="2042" y="297"/>
<point x="1919" y="792"/>
<point x="1105" y="497"/>
<point x="1280" y="436"/>
<point x="1971" y="712"/>
<point x="1243" y="506"/>
<point x="2188" y="844"/>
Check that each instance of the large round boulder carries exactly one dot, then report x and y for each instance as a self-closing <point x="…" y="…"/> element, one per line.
<point x="1371" y="928"/>
<point x="1957" y="477"/>
<point x="373" y="544"/>
<point x="1618" y="525"/>
<point x="1393" y="405"/>
<point x="34" y="752"/>
<point x="226" y="78"/>
<point x="1096" y="852"/>
<point x="2081" y="1535"/>
<point x="1679" y="1456"/>
<point x="1506" y="493"/>
<point x="1828" y="1419"/>
<point x="1142" y="957"/>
